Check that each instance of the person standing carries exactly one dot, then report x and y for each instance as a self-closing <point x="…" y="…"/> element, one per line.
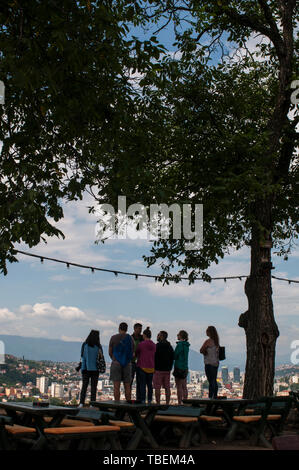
<point x="180" y="372"/>
<point x="164" y="357"/>
<point x="145" y="353"/>
<point x="137" y="338"/>
<point x="90" y="351"/>
<point x="121" y="348"/>
<point x="210" y="350"/>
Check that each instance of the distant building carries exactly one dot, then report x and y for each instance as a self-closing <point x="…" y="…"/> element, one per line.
<point x="57" y="390"/>
<point x="42" y="384"/>
<point x="224" y="374"/>
<point x="237" y="376"/>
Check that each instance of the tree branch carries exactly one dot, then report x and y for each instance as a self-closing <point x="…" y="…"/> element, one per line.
<point x="255" y="24"/>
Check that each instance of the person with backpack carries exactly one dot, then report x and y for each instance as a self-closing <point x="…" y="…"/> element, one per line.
<point x="181" y="365"/>
<point x="121" y="347"/>
<point x="91" y="350"/>
<point x="145" y="353"/>
<point x="210" y="350"/>
<point x="163" y="364"/>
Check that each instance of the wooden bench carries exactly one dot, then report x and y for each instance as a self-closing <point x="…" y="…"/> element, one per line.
<point x="67" y="422"/>
<point x="176" y="419"/>
<point x="255" y="425"/>
<point x="123" y="425"/>
<point x="14" y="432"/>
<point x="82" y="437"/>
<point x="20" y="431"/>
<point x="179" y="421"/>
<point x="210" y="419"/>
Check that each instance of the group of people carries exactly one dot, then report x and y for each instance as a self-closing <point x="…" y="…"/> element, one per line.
<point x="137" y="356"/>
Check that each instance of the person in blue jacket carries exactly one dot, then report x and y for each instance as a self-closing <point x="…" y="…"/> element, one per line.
<point x="89" y="354"/>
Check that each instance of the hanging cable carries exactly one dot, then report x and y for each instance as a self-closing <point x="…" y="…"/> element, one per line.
<point x="152" y="276"/>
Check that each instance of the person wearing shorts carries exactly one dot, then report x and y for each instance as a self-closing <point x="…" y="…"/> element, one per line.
<point x="163" y="364"/>
<point x="121" y="372"/>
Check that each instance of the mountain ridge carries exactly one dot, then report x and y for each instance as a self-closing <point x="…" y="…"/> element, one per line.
<point x="57" y="350"/>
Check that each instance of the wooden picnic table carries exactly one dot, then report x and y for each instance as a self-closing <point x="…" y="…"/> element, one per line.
<point x="180" y="413"/>
<point x="269" y="413"/>
<point x="25" y="414"/>
<point x="229" y="406"/>
<point x="134" y="410"/>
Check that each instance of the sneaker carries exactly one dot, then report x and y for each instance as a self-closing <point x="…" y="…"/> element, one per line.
<point x="81" y="405"/>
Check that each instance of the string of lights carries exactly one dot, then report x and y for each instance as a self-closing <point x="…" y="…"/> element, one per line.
<point x="137" y="275"/>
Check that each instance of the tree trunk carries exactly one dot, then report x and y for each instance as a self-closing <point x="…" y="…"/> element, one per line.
<point x="259" y="323"/>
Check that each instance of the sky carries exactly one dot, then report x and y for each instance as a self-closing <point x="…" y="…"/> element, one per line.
<point x="50" y="301"/>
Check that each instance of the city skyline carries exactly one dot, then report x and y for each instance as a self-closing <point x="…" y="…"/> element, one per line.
<point x="60" y="381"/>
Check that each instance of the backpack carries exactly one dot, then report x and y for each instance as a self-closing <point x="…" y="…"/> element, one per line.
<point x="101" y="364"/>
<point x="123" y="351"/>
<point x="221" y="353"/>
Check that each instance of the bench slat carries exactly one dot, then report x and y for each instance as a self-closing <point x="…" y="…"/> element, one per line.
<point x="211" y="419"/>
<point x="18" y="430"/>
<point x="176" y="419"/>
<point x="82" y="431"/>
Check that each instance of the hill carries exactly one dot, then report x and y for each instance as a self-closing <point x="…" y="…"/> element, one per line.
<point x="42" y="349"/>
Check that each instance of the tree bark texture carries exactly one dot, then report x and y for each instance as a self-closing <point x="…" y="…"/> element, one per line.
<point x="258" y="322"/>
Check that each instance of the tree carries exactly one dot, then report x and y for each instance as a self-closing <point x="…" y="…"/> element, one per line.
<point x="190" y="131"/>
<point x="221" y="135"/>
<point x="66" y="66"/>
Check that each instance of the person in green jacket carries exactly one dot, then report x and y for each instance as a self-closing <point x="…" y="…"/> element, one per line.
<point x="181" y="365"/>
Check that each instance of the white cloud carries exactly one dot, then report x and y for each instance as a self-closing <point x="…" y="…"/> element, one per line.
<point x="70" y="338"/>
<point x="6" y="315"/>
<point x="47" y="310"/>
<point x="105" y="323"/>
<point x="71" y="313"/>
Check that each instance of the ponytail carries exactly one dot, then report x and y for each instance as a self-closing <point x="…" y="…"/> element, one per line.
<point x="147" y="332"/>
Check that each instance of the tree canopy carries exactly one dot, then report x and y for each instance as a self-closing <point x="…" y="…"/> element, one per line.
<point x="207" y="131"/>
<point x="67" y="68"/>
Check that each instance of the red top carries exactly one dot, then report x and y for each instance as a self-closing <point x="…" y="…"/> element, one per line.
<point x="145" y="353"/>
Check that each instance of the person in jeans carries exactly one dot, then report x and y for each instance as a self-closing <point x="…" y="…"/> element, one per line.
<point x="137" y="338"/>
<point x="210" y="350"/>
<point x="181" y="365"/>
<point x="163" y="364"/>
<point x="89" y="353"/>
<point x="121" y="352"/>
<point x="145" y="353"/>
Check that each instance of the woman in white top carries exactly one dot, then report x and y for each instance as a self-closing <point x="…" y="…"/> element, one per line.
<point x="210" y="350"/>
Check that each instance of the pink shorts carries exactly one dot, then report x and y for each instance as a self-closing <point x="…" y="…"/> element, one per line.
<point x="161" y="379"/>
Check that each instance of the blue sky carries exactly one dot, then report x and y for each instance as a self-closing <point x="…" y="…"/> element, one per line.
<point x="48" y="300"/>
